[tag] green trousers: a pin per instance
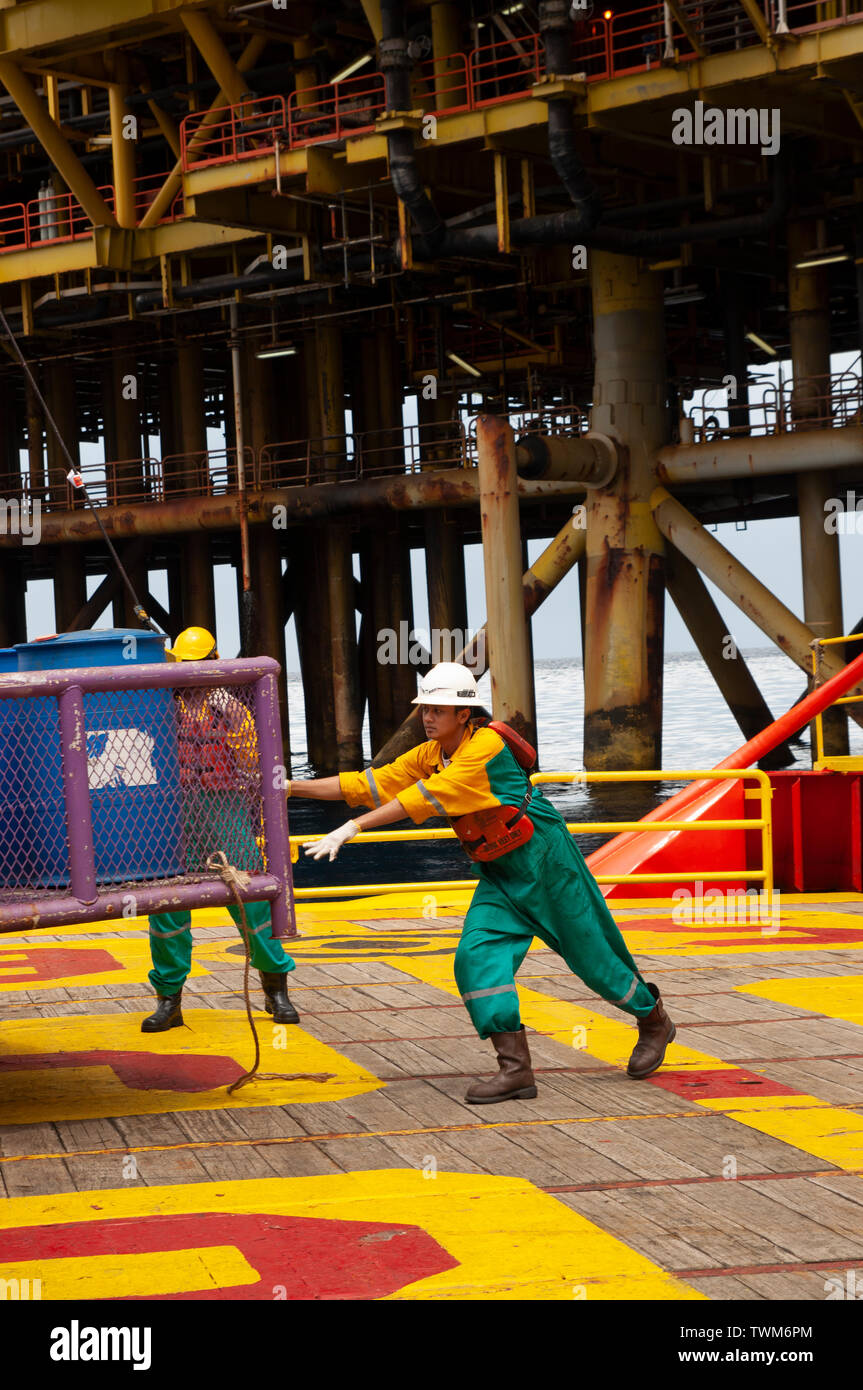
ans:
(542, 889)
(171, 946)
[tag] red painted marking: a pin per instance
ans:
(717, 1085)
(139, 1071)
(789, 932)
(54, 964)
(310, 1257)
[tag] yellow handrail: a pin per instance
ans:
(820, 762)
(764, 823)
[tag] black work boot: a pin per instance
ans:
(655, 1032)
(276, 1000)
(167, 1014)
(515, 1079)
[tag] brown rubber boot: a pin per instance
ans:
(515, 1080)
(655, 1032)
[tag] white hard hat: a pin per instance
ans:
(448, 683)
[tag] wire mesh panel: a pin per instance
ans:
(132, 779)
(220, 778)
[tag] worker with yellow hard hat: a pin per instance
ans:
(533, 881)
(218, 759)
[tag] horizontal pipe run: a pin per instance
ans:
(455, 487)
(745, 457)
(149, 898)
(147, 676)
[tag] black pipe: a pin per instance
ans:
(396, 66)
(627, 240)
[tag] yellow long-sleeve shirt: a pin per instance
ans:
(425, 787)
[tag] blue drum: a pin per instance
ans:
(133, 768)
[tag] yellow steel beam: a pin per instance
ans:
(47, 259)
(167, 126)
(210, 45)
(501, 202)
(55, 144)
(372, 12)
(173, 183)
(51, 23)
(117, 247)
(123, 140)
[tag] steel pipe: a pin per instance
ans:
(760, 457)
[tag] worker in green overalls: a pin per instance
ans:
(218, 751)
(533, 880)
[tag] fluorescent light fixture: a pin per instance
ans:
(460, 362)
(274, 350)
(824, 255)
(352, 67)
(513, 9)
(759, 342)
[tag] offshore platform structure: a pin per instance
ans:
(235, 239)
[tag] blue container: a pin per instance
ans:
(132, 764)
(10, 793)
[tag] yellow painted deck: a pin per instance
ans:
(734, 1173)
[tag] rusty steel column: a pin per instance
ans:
(267, 582)
(70, 585)
(447, 594)
(563, 552)
(312, 617)
(196, 563)
(59, 392)
(509, 651)
(625, 599)
(13, 590)
(809, 313)
(339, 591)
(709, 632)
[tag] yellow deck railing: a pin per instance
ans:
(840, 762)
(761, 792)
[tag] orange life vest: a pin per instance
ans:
(489, 834)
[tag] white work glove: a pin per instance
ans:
(332, 843)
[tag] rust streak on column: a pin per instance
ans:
(809, 308)
(625, 597)
(509, 651)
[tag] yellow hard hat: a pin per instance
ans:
(193, 644)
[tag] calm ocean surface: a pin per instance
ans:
(698, 731)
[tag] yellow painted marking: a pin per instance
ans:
(827, 1132)
(837, 996)
(604, 1038)
(511, 1240)
(72, 1093)
(132, 953)
(137, 1275)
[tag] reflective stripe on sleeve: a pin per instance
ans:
(430, 798)
(373, 787)
(484, 993)
(629, 993)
